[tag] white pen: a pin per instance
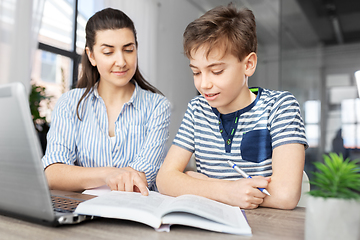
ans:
(239, 170)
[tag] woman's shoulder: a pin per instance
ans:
(149, 98)
(70, 98)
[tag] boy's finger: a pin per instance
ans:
(260, 182)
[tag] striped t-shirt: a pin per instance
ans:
(141, 132)
(272, 120)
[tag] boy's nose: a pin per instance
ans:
(205, 82)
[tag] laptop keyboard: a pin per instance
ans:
(64, 205)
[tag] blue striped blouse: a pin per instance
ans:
(141, 132)
(272, 120)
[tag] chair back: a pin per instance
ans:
(305, 187)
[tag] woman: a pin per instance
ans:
(112, 129)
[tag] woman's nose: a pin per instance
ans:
(120, 61)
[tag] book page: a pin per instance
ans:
(126, 205)
(158, 210)
(97, 191)
(192, 220)
(207, 208)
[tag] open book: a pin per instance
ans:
(161, 211)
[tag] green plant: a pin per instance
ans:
(36, 98)
(336, 178)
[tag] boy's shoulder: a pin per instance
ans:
(199, 100)
(199, 103)
(276, 95)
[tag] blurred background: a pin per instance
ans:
(308, 47)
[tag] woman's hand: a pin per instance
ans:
(126, 179)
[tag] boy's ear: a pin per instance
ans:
(90, 56)
(250, 64)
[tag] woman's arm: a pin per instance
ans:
(75, 178)
(285, 186)
(153, 150)
(172, 181)
(61, 156)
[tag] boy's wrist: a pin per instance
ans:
(218, 190)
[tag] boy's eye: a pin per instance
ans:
(218, 72)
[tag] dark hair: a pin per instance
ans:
(105, 19)
(223, 27)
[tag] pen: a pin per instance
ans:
(233, 165)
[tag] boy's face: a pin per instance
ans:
(222, 80)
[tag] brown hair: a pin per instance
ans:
(105, 19)
(223, 27)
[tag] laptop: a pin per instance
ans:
(24, 192)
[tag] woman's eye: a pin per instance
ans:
(107, 53)
(129, 49)
(196, 73)
(218, 72)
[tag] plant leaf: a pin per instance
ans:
(336, 178)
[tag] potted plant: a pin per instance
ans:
(38, 98)
(333, 207)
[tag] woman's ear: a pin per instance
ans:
(90, 56)
(250, 64)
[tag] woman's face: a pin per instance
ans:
(115, 56)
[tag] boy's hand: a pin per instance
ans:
(244, 192)
(127, 179)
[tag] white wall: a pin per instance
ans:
(174, 77)
(267, 70)
(305, 74)
(343, 60)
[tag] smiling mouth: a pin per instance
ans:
(120, 72)
(211, 95)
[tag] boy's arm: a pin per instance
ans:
(285, 186)
(172, 181)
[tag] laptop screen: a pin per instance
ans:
(23, 187)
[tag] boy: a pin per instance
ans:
(260, 130)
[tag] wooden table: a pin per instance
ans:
(266, 224)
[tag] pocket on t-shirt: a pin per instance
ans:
(256, 145)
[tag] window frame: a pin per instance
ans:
(73, 55)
